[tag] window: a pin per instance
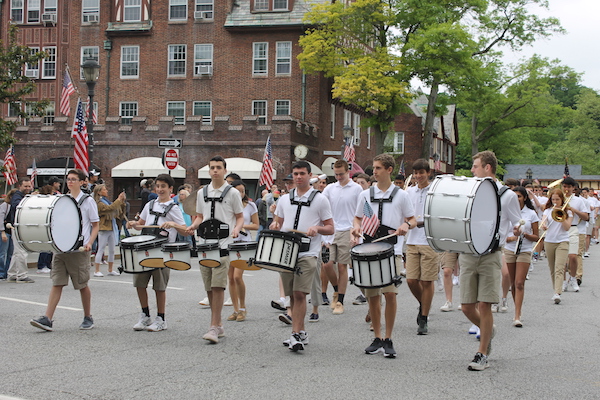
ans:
(356, 129)
(177, 10)
(130, 61)
(90, 11)
(48, 118)
(49, 63)
(127, 110)
(14, 109)
(132, 11)
(33, 11)
(177, 109)
(260, 58)
(449, 154)
(88, 53)
(280, 5)
(33, 70)
(282, 107)
(368, 137)
(271, 5)
(399, 142)
(284, 58)
(50, 6)
(16, 11)
(177, 59)
(204, 108)
(261, 5)
(259, 107)
(203, 59)
(347, 119)
(205, 8)
(332, 122)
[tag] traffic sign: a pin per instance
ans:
(171, 158)
(170, 143)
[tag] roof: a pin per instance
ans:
(149, 166)
(546, 172)
(242, 17)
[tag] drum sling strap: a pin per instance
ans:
(496, 245)
(79, 204)
(300, 204)
(383, 230)
(158, 232)
(214, 228)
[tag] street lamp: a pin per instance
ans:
(347, 132)
(529, 173)
(91, 70)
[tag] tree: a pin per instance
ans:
(14, 85)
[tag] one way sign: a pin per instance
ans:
(170, 143)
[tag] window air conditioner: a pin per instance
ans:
(49, 18)
(203, 70)
(198, 14)
(31, 73)
(94, 18)
(357, 141)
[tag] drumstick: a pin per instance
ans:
(148, 226)
(384, 237)
(297, 231)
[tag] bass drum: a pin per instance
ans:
(462, 215)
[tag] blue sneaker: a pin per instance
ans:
(313, 318)
(286, 319)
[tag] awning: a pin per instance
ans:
(314, 169)
(327, 167)
(149, 167)
(246, 168)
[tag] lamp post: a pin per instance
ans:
(91, 70)
(347, 132)
(529, 173)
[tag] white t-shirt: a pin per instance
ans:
(417, 197)
(224, 211)
(393, 214)
(343, 203)
(249, 211)
(313, 215)
(173, 215)
(529, 216)
(89, 214)
(580, 204)
(555, 232)
(510, 213)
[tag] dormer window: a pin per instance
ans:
(271, 5)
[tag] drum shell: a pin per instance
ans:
(277, 251)
(241, 253)
(177, 256)
(209, 254)
(373, 265)
(150, 253)
(130, 257)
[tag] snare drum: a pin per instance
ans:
(150, 254)
(130, 257)
(462, 215)
(177, 256)
(240, 254)
(45, 223)
(277, 251)
(374, 265)
(209, 254)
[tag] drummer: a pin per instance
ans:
(396, 211)
(168, 216)
(301, 210)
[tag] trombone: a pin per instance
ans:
(559, 214)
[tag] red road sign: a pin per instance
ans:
(171, 158)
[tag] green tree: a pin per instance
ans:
(14, 85)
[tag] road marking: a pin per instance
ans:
(129, 283)
(39, 304)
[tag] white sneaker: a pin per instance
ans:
(494, 307)
(455, 280)
(574, 285)
(98, 274)
(45, 270)
(556, 298)
(159, 324)
(204, 302)
(565, 286)
(586, 254)
(503, 305)
(143, 323)
(447, 306)
(114, 273)
(228, 302)
(531, 267)
(473, 329)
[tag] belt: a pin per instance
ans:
(573, 225)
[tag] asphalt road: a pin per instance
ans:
(555, 355)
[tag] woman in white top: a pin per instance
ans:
(556, 240)
(517, 251)
(237, 288)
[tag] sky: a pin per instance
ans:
(577, 48)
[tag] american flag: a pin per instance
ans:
(67, 91)
(402, 169)
(266, 172)
(87, 112)
(10, 166)
(34, 171)
(349, 153)
(566, 168)
(80, 134)
(370, 221)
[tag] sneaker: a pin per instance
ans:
(334, 300)
(447, 306)
(233, 317)
(455, 280)
(88, 323)
(503, 305)
(325, 301)
(286, 319)
(159, 324)
(143, 323)
(579, 281)
(296, 342)
(574, 284)
(459, 308)
(114, 273)
(473, 329)
(388, 349)
(228, 302)
(527, 276)
(278, 305)
(371, 327)
(339, 308)
(212, 335)
(98, 274)
(42, 322)
(313, 318)
(530, 267)
(375, 347)
(241, 316)
(220, 331)
(44, 270)
(495, 308)
(422, 329)
(586, 254)
(303, 339)
(403, 273)
(204, 302)
(479, 363)
(360, 299)
(489, 347)
(556, 298)
(25, 280)
(12, 279)
(478, 334)
(517, 323)
(565, 286)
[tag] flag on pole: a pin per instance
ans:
(349, 153)
(566, 168)
(402, 169)
(266, 172)
(80, 134)
(67, 91)
(370, 221)
(34, 171)
(94, 113)
(10, 166)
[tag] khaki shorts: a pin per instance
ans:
(480, 278)
(448, 260)
(75, 265)
(372, 292)
(293, 282)
(510, 257)
(597, 223)
(573, 240)
(339, 250)
(215, 277)
(160, 279)
(421, 263)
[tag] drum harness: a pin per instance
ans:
(158, 232)
(501, 191)
(213, 201)
(381, 201)
(299, 205)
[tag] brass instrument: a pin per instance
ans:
(407, 182)
(559, 214)
(555, 183)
